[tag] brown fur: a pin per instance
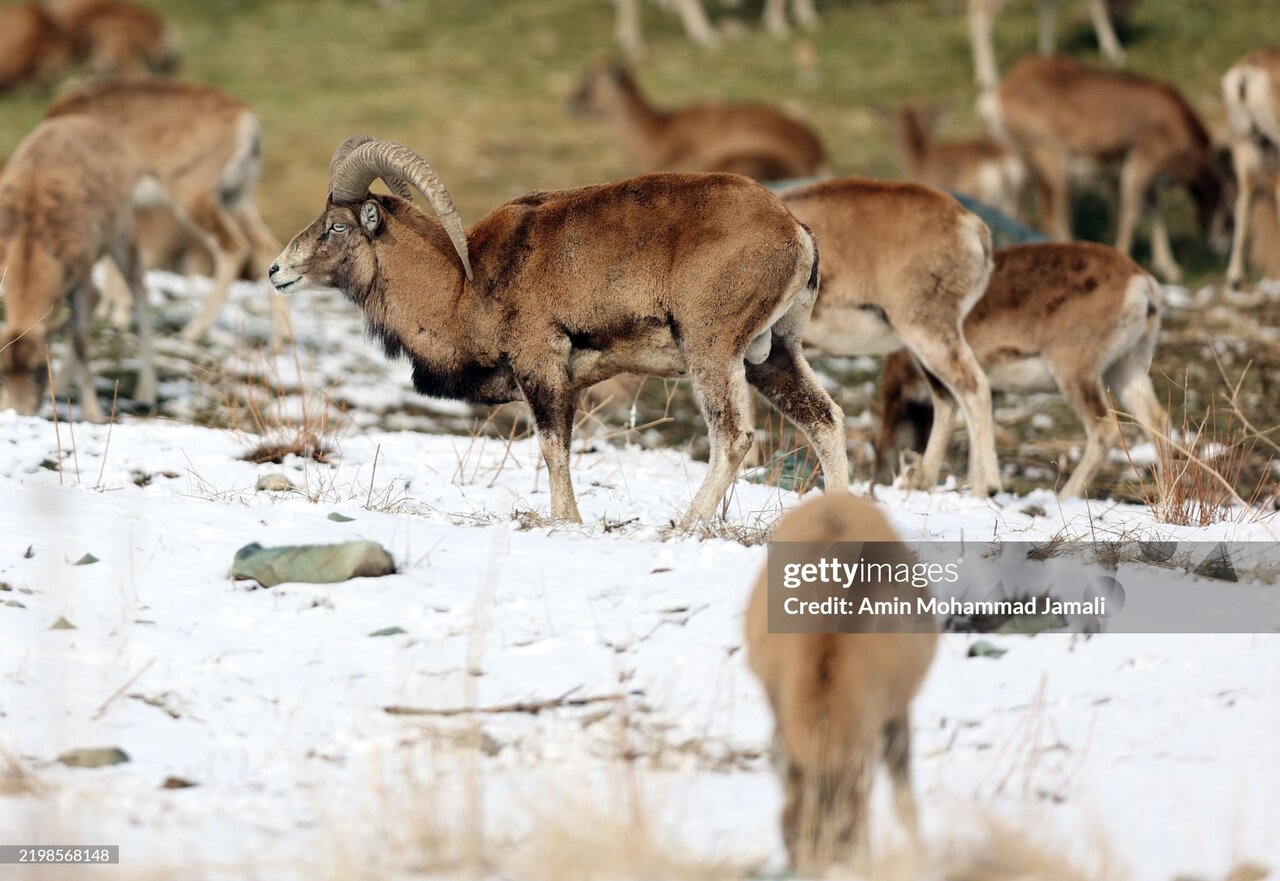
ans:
(1055, 111)
(665, 275)
(1089, 312)
(841, 701)
(116, 37)
(205, 148)
(977, 167)
(748, 139)
(902, 266)
(1251, 92)
(65, 203)
(33, 46)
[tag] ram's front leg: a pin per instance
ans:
(551, 401)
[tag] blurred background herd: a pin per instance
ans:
(483, 88)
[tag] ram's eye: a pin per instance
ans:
(339, 227)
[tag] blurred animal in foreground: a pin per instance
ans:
(707, 276)
(1056, 112)
(33, 46)
(902, 265)
(693, 15)
(1251, 90)
(977, 167)
(841, 701)
(205, 148)
(749, 139)
(982, 20)
(66, 199)
(1076, 317)
(118, 38)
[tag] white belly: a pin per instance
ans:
(852, 332)
(1024, 375)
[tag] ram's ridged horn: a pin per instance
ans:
(397, 185)
(350, 178)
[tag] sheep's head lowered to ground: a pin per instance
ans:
(24, 378)
(340, 248)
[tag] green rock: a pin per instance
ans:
(86, 560)
(389, 631)
(12, 603)
(340, 518)
(94, 757)
(312, 564)
(984, 649)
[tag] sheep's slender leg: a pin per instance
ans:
(552, 403)
(1129, 380)
(1108, 42)
(775, 18)
(897, 756)
(1048, 26)
(1162, 259)
(696, 23)
(1135, 184)
(805, 13)
(1246, 156)
(925, 475)
(1101, 432)
(943, 352)
(627, 28)
(81, 315)
(787, 382)
(981, 24)
(1048, 167)
(721, 393)
(128, 263)
(222, 237)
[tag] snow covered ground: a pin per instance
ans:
(273, 701)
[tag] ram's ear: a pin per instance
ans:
(371, 216)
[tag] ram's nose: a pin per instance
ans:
(271, 273)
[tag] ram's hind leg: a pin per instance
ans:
(722, 396)
(787, 382)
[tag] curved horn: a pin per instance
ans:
(397, 185)
(349, 182)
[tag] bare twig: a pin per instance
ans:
(121, 690)
(532, 708)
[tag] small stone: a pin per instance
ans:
(340, 518)
(62, 624)
(12, 603)
(274, 483)
(177, 783)
(86, 560)
(389, 631)
(94, 757)
(984, 649)
(1034, 510)
(312, 564)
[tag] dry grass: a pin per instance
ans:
(1206, 474)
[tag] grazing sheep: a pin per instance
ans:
(841, 701)
(66, 198)
(705, 276)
